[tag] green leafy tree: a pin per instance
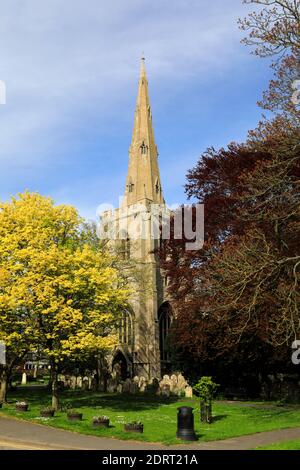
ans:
(59, 291)
(206, 390)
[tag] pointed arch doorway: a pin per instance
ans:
(120, 367)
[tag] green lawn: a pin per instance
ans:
(157, 414)
(289, 445)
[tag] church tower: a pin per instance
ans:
(145, 324)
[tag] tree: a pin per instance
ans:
(66, 285)
(274, 31)
(243, 284)
(206, 389)
(237, 298)
(258, 272)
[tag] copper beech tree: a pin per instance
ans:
(238, 297)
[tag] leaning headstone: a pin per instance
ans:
(175, 388)
(181, 382)
(166, 382)
(69, 381)
(143, 384)
(174, 381)
(85, 383)
(73, 382)
(189, 392)
(24, 379)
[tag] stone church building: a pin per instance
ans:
(143, 349)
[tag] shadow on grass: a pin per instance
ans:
(219, 418)
(78, 399)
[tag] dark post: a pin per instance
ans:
(185, 424)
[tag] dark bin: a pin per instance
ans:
(185, 424)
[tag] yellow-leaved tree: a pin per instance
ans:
(59, 290)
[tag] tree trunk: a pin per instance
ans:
(206, 411)
(209, 412)
(202, 411)
(55, 389)
(102, 374)
(98, 373)
(3, 384)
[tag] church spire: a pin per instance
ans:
(143, 179)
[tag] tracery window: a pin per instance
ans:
(144, 148)
(126, 328)
(165, 319)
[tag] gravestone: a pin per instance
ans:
(189, 392)
(73, 382)
(181, 382)
(24, 379)
(143, 384)
(126, 386)
(85, 383)
(165, 391)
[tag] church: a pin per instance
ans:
(143, 334)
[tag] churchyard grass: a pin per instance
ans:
(159, 415)
(288, 445)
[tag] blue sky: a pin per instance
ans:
(71, 69)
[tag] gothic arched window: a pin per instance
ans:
(126, 328)
(130, 187)
(144, 148)
(123, 244)
(165, 319)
